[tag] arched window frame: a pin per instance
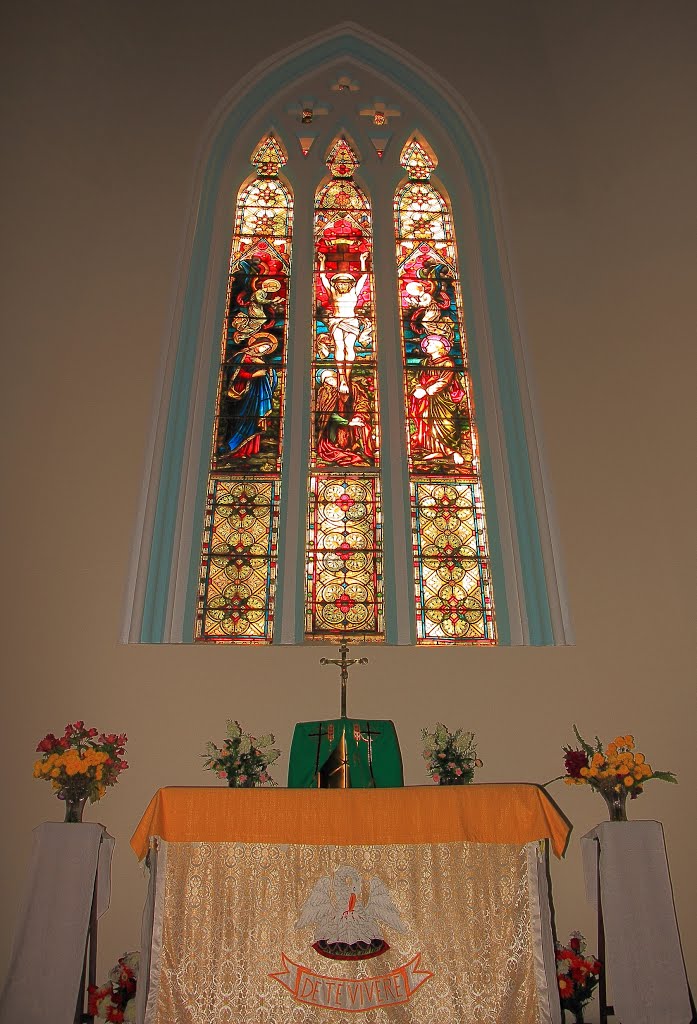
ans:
(531, 607)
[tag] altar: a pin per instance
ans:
(425, 904)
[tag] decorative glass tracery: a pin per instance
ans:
(237, 584)
(344, 552)
(452, 579)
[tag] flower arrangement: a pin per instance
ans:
(451, 757)
(612, 768)
(116, 1000)
(81, 763)
(577, 976)
(615, 772)
(242, 759)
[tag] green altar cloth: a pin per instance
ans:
(372, 754)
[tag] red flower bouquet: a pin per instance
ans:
(577, 976)
(116, 1001)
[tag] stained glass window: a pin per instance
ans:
(344, 585)
(452, 580)
(237, 583)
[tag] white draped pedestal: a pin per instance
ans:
(627, 879)
(68, 888)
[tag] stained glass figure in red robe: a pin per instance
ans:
(437, 406)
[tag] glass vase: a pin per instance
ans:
(616, 800)
(234, 783)
(74, 809)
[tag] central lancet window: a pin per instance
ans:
(344, 592)
(344, 587)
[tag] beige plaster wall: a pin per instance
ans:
(587, 111)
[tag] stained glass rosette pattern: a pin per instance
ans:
(344, 559)
(344, 575)
(454, 601)
(240, 559)
(238, 565)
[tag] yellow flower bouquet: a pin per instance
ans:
(80, 765)
(615, 772)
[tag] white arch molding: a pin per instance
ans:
(528, 589)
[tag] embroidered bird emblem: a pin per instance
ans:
(345, 927)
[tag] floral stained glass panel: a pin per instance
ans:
(344, 564)
(236, 595)
(344, 560)
(240, 553)
(451, 577)
(453, 591)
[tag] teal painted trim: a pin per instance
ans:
(501, 611)
(202, 478)
(530, 547)
(159, 569)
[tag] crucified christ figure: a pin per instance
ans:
(344, 326)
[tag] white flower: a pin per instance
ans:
(464, 742)
(132, 961)
(441, 735)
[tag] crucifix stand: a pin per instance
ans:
(344, 664)
(335, 773)
(344, 753)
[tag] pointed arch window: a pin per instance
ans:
(237, 583)
(247, 426)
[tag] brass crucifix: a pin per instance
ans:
(343, 664)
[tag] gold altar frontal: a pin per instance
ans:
(316, 907)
